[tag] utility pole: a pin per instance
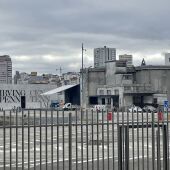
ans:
(60, 70)
(82, 50)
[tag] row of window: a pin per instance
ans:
(109, 92)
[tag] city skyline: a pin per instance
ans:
(43, 36)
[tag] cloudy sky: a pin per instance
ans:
(44, 35)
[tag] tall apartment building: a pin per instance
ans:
(5, 70)
(127, 58)
(102, 55)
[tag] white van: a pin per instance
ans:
(99, 108)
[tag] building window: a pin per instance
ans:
(108, 92)
(116, 92)
(101, 92)
(93, 100)
(155, 101)
(103, 100)
(109, 101)
(127, 77)
(126, 88)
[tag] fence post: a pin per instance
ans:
(70, 141)
(120, 148)
(158, 149)
(165, 147)
(126, 148)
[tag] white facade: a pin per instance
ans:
(10, 95)
(167, 58)
(127, 58)
(101, 55)
(5, 70)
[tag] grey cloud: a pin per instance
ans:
(57, 28)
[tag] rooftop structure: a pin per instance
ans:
(127, 58)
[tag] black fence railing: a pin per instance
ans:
(80, 140)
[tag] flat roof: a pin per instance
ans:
(59, 89)
(153, 67)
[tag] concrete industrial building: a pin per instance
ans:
(121, 86)
(5, 70)
(127, 58)
(101, 55)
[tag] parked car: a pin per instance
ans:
(54, 104)
(135, 109)
(149, 109)
(69, 106)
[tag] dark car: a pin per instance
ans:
(54, 104)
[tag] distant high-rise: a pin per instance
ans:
(5, 70)
(101, 55)
(167, 58)
(127, 58)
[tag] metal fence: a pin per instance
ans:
(80, 140)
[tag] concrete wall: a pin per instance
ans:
(95, 79)
(10, 95)
(157, 78)
(110, 73)
(168, 86)
(128, 101)
(148, 99)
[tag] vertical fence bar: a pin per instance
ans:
(10, 140)
(97, 142)
(16, 139)
(120, 163)
(127, 144)
(103, 138)
(46, 142)
(63, 141)
(70, 141)
(76, 143)
(126, 148)
(82, 139)
(119, 146)
(34, 140)
(87, 140)
(52, 146)
(158, 146)
(23, 140)
(165, 146)
(28, 139)
(142, 143)
(4, 139)
(113, 140)
(123, 142)
(57, 140)
(138, 139)
(40, 139)
(147, 134)
(133, 146)
(153, 141)
(167, 134)
(92, 141)
(108, 152)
